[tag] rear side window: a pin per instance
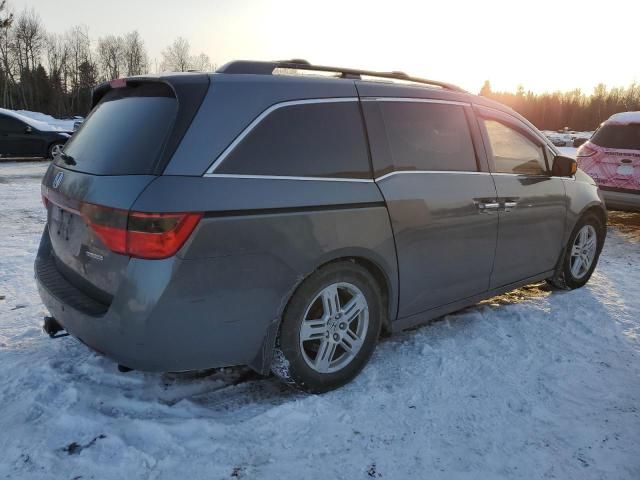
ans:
(125, 132)
(428, 136)
(512, 152)
(618, 136)
(307, 140)
(11, 125)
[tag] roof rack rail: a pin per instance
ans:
(267, 68)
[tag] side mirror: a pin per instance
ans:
(564, 166)
(28, 129)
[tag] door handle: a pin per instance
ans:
(488, 206)
(509, 205)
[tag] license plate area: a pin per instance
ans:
(64, 230)
(625, 170)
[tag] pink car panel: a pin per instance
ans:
(612, 167)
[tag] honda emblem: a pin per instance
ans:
(57, 180)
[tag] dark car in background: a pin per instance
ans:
(22, 136)
(282, 221)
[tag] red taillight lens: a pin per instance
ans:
(139, 234)
(159, 235)
(585, 151)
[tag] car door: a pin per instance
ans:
(532, 203)
(436, 189)
(5, 145)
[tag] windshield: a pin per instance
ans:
(618, 136)
(125, 132)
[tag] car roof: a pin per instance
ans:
(37, 124)
(623, 118)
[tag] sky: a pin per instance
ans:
(545, 45)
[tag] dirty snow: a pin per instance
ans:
(532, 384)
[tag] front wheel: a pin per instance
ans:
(582, 253)
(329, 329)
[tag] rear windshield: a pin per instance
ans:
(618, 136)
(125, 132)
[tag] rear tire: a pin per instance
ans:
(54, 149)
(581, 254)
(329, 328)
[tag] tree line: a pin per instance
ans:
(573, 109)
(55, 73)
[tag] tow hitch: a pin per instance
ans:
(51, 327)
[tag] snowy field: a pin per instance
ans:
(533, 384)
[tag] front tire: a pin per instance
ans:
(329, 329)
(582, 253)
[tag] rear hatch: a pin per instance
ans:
(612, 156)
(128, 138)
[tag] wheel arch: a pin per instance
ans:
(593, 208)
(385, 277)
(375, 265)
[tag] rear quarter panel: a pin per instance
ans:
(258, 241)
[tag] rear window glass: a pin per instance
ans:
(309, 140)
(428, 136)
(618, 136)
(125, 132)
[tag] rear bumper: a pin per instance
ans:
(622, 200)
(167, 315)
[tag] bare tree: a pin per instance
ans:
(29, 38)
(79, 62)
(7, 59)
(112, 56)
(176, 57)
(201, 63)
(5, 20)
(135, 54)
(57, 53)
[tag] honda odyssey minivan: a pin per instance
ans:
(255, 216)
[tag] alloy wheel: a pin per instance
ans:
(334, 326)
(56, 150)
(583, 251)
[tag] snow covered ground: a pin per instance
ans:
(567, 137)
(532, 384)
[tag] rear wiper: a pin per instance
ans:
(68, 159)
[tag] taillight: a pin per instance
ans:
(140, 234)
(585, 151)
(159, 235)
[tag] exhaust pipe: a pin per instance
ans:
(51, 327)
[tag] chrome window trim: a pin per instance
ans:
(538, 175)
(415, 100)
(377, 179)
(285, 177)
(404, 172)
(262, 116)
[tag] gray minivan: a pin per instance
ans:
(258, 216)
